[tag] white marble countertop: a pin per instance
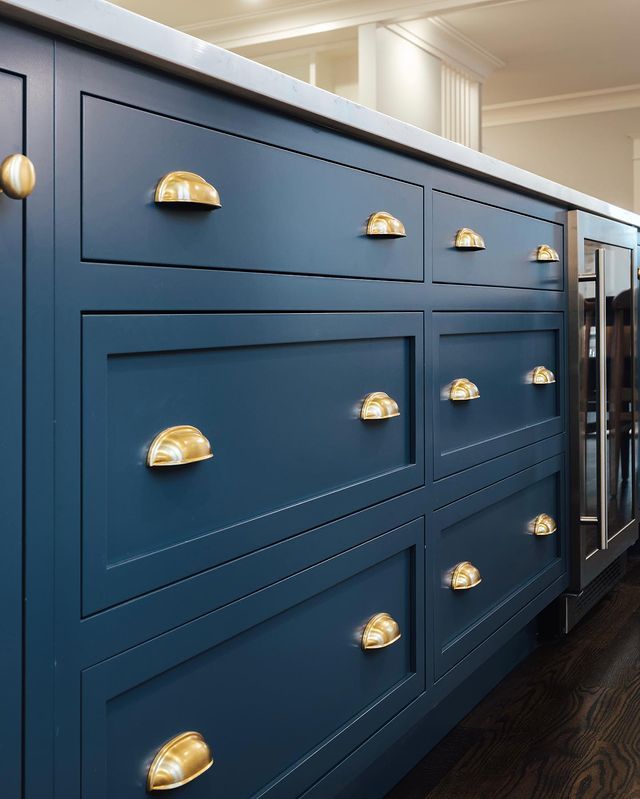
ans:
(116, 30)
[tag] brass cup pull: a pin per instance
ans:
(467, 239)
(378, 406)
(385, 225)
(462, 390)
(177, 446)
(464, 576)
(17, 176)
(187, 187)
(546, 253)
(541, 376)
(381, 631)
(179, 761)
(544, 525)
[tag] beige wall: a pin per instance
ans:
(592, 153)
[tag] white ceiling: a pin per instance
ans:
(556, 46)
(550, 47)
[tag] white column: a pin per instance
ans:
(398, 77)
(367, 66)
(460, 107)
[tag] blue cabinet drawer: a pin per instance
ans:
(492, 358)
(278, 396)
(281, 211)
(502, 533)
(511, 253)
(278, 683)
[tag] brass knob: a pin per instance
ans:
(385, 225)
(179, 761)
(465, 575)
(381, 631)
(462, 389)
(187, 187)
(177, 446)
(541, 376)
(17, 176)
(467, 239)
(546, 253)
(544, 525)
(378, 406)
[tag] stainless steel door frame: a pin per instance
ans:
(586, 227)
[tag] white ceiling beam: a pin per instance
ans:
(321, 16)
(442, 40)
(558, 106)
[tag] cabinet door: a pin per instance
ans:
(25, 69)
(604, 390)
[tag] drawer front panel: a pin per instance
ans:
(511, 241)
(281, 211)
(493, 530)
(278, 396)
(272, 681)
(497, 353)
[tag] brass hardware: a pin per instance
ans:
(541, 376)
(467, 239)
(377, 406)
(187, 187)
(177, 446)
(17, 176)
(544, 525)
(382, 630)
(179, 761)
(462, 389)
(546, 253)
(383, 224)
(465, 575)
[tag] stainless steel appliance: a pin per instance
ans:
(603, 282)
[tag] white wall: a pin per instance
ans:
(592, 153)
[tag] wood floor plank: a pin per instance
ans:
(565, 724)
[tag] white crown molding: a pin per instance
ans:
(442, 40)
(597, 101)
(320, 16)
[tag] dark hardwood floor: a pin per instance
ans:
(565, 724)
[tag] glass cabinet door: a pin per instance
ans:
(604, 394)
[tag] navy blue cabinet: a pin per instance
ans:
(267, 680)
(229, 595)
(280, 397)
(25, 268)
(486, 396)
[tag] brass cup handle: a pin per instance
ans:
(17, 176)
(468, 239)
(544, 524)
(546, 253)
(385, 225)
(462, 389)
(464, 576)
(179, 761)
(541, 376)
(378, 406)
(177, 446)
(187, 187)
(381, 631)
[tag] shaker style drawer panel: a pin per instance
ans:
(495, 551)
(284, 421)
(498, 385)
(278, 685)
(480, 245)
(280, 211)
